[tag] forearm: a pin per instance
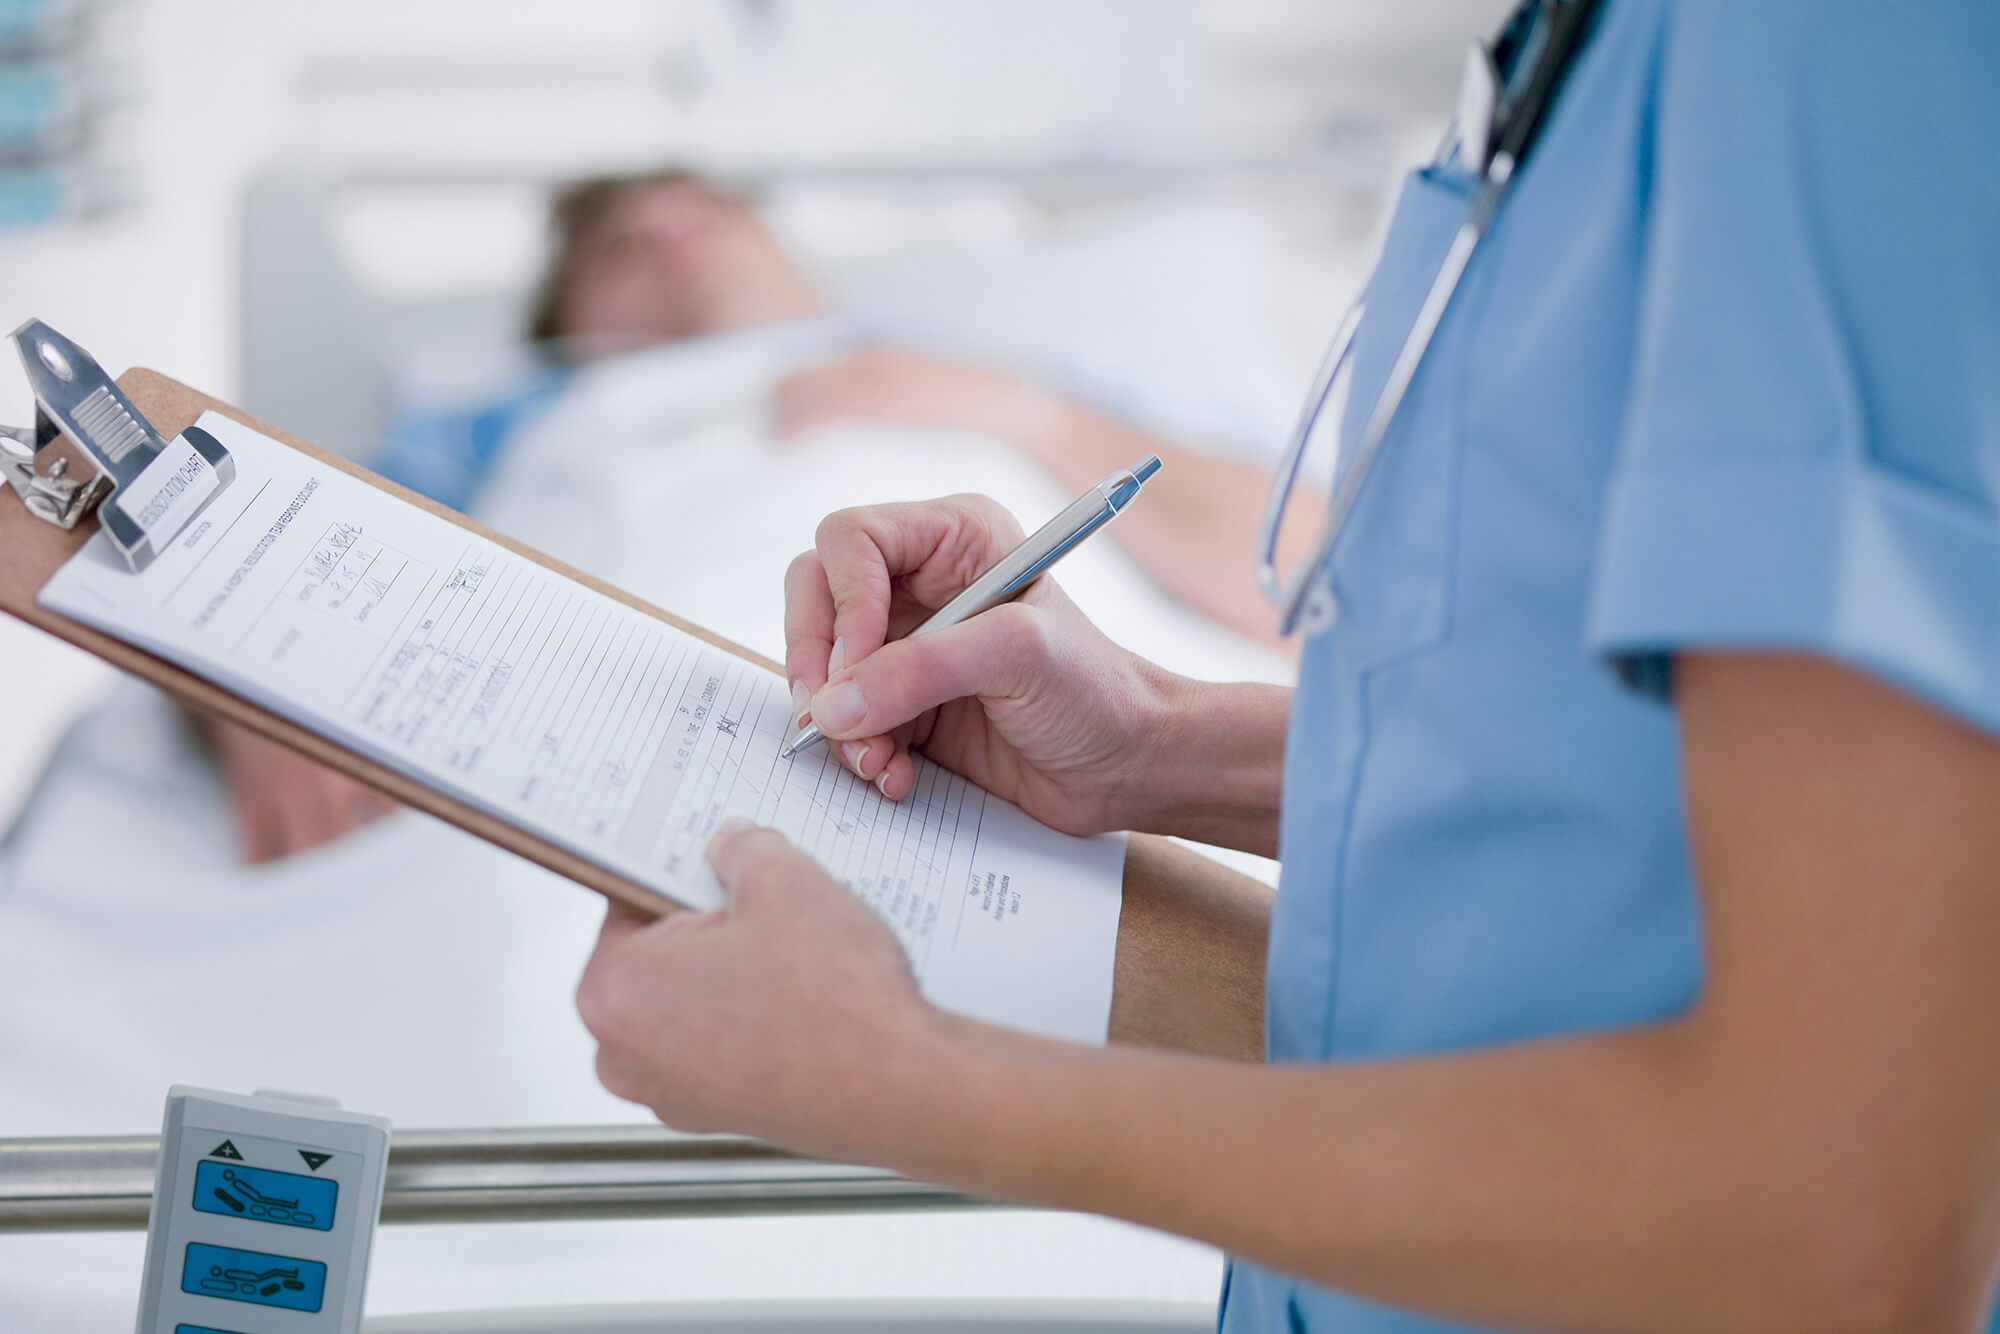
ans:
(1592, 1183)
(1425, 1183)
(1212, 763)
(1194, 535)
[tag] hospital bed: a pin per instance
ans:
(457, 1009)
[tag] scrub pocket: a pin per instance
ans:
(1390, 567)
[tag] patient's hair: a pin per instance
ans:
(580, 207)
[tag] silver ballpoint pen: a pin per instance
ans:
(1027, 562)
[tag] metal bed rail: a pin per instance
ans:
(1349, 155)
(105, 1183)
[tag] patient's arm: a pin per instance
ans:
(1194, 536)
(283, 802)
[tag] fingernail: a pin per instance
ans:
(857, 755)
(801, 704)
(836, 661)
(882, 783)
(839, 707)
(729, 825)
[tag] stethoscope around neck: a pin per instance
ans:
(1535, 48)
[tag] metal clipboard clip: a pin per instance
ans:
(91, 450)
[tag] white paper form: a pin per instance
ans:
(594, 726)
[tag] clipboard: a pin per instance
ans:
(1189, 966)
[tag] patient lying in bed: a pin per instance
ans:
(716, 407)
(419, 973)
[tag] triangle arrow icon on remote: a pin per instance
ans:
(225, 1150)
(313, 1160)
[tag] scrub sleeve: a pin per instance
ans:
(1811, 456)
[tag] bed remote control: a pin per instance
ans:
(263, 1211)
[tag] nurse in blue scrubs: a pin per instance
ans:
(1633, 964)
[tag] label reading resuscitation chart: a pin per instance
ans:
(603, 730)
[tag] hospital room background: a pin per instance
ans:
(334, 215)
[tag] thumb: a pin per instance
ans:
(997, 653)
(752, 861)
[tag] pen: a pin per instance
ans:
(1028, 562)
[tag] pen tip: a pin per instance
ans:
(785, 751)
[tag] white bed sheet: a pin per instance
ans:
(684, 496)
(416, 972)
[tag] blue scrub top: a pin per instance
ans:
(1725, 374)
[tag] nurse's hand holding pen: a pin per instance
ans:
(1028, 699)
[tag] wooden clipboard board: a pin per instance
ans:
(1187, 921)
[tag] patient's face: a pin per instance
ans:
(672, 260)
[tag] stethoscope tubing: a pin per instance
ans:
(1308, 601)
